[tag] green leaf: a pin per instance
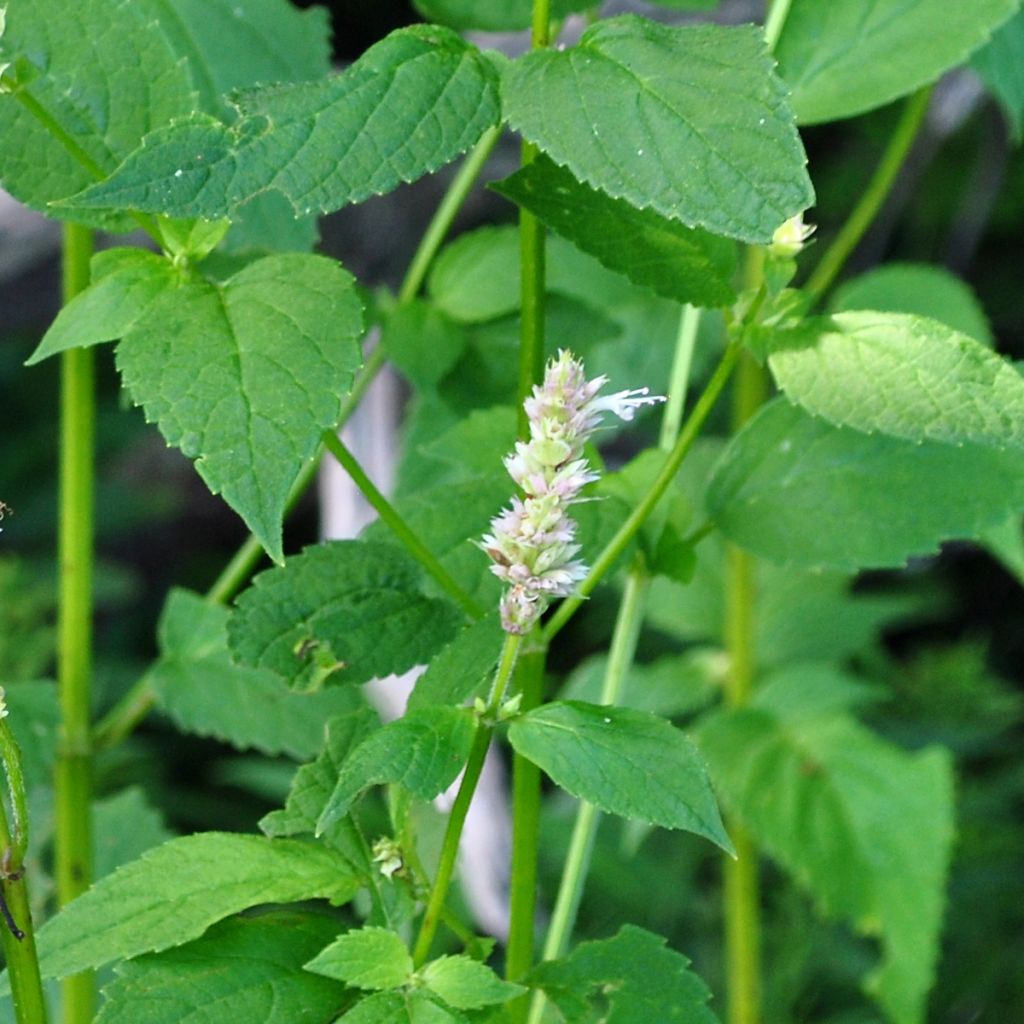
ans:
(466, 983)
(34, 718)
(243, 969)
(422, 342)
(797, 490)
(197, 684)
(125, 284)
(864, 826)
(920, 288)
(125, 826)
(626, 762)
(409, 105)
(468, 280)
(699, 130)
(460, 669)
(491, 15)
(672, 260)
(244, 377)
(92, 79)
(1005, 540)
(1001, 66)
(631, 978)
(424, 751)
(374, 958)
(410, 1007)
(347, 611)
(904, 375)
(175, 892)
(844, 57)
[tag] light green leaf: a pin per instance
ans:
(903, 375)
(205, 693)
(424, 751)
(864, 826)
(1001, 66)
(125, 284)
(93, 78)
(845, 57)
(626, 762)
(345, 611)
(677, 262)
(699, 130)
(797, 490)
(244, 377)
(125, 826)
(631, 978)
(466, 983)
(374, 958)
(458, 671)
(243, 969)
(468, 281)
(919, 288)
(175, 892)
(410, 1007)
(409, 105)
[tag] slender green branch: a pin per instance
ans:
(777, 14)
(614, 548)
(457, 817)
(871, 198)
(679, 381)
(399, 527)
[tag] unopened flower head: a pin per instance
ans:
(532, 543)
(790, 237)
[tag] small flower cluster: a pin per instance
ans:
(532, 543)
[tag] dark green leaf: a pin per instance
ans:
(625, 762)
(689, 122)
(410, 1007)
(457, 672)
(422, 342)
(1001, 66)
(125, 826)
(34, 719)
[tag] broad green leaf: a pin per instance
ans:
(424, 751)
(626, 762)
(205, 693)
(491, 15)
(469, 281)
(244, 377)
(675, 261)
(92, 79)
(902, 375)
(1001, 66)
(917, 288)
(461, 668)
(409, 105)
(845, 57)
(345, 611)
(690, 122)
(175, 892)
(408, 1007)
(243, 969)
(374, 958)
(422, 342)
(125, 826)
(797, 490)
(34, 719)
(631, 978)
(864, 826)
(125, 284)
(466, 983)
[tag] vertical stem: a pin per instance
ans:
(73, 781)
(686, 340)
(778, 11)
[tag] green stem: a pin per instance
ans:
(871, 199)
(399, 527)
(777, 14)
(614, 548)
(686, 340)
(457, 817)
(73, 775)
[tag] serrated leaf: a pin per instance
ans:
(845, 57)
(373, 958)
(244, 377)
(864, 826)
(797, 490)
(460, 669)
(631, 978)
(626, 762)
(1001, 66)
(466, 983)
(243, 969)
(175, 892)
(409, 105)
(903, 375)
(351, 609)
(491, 15)
(410, 1007)
(205, 693)
(424, 751)
(698, 129)
(98, 75)
(919, 288)
(125, 284)
(680, 263)
(125, 826)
